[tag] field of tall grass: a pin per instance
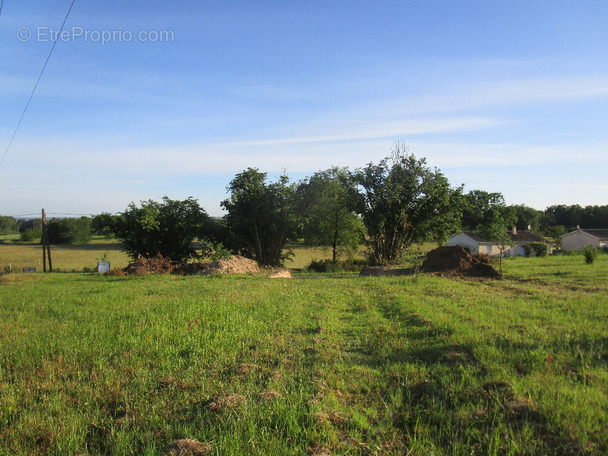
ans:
(93, 365)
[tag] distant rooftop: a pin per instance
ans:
(521, 237)
(601, 234)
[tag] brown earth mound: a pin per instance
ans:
(191, 268)
(234, 265)
(281, 274)
(457, 262)
(156, 265)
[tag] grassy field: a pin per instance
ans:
(17, 255)
(360, 366)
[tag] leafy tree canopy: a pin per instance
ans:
(8, 225)
(167, 228)
(526, 216)
(261, 216)
(480, 208)
(69, 230)
(496, 228)
(102, 224)
(328, 202)
(405, 202)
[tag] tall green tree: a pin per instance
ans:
(405, 202)
(8, 225)
(479, 208)
(70, 230)
(328, 203)
(261, 216)
(526, 216)
(102, 224)
(496, 228)
(167, 228)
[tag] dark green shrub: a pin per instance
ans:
(70, 230)
(31, 235)
(8, 225)
(590, 253)
(538, 249)
(166, 228)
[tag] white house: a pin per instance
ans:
(580, 238)
(475, 244)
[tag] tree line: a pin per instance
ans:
(390, 206)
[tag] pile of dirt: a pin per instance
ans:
(190, 268)
(234, 265)
(280, 274)
(156, 265)
(457, 262)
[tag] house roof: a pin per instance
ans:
(522, 237)
(602, 235)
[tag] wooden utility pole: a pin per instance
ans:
(46, 246)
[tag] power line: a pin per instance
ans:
(37, 213)
(37, 81)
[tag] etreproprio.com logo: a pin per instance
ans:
(46, 34)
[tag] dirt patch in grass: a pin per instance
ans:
(281, 274)
(268, 396)
(187, 447)
(383, 271)
(457, 262)
(225, 402)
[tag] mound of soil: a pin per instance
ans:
(190, 268)
(156, 265)
(281, 274)
(457, 262)
(234, 265)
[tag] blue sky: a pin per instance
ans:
(507, 97)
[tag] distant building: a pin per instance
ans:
(476, 244)
(580, 239)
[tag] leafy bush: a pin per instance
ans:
(167, 229)
(70, 230)
(31, 235)
(537, 249)
(102, 224)
(220, 252)
(590, 253)
(8, 225)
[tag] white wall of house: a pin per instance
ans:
(516, 250)
(579, 240)
(492, 249)
(466, 242)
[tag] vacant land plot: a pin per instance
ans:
(17, 255)
(392, 365)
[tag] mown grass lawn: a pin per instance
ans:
(395, 365)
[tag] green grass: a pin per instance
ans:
(16, 255)
(392, 365)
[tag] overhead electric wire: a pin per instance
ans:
(37, 81)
